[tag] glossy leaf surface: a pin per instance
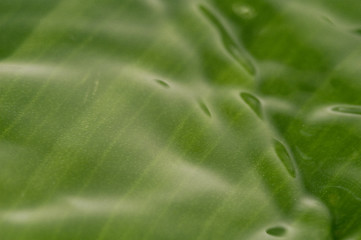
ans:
(156, 119)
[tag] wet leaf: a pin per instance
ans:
(194, 119)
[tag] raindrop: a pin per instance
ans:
(253, 102)
(240, 57)
(204, 108)
(162, 83)
(285, 157)
(236, 51)
(276, 231)
(347, 109)
(244, 11)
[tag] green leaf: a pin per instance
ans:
(193, 119)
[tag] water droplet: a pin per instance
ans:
(244, 11)
(347, 109)
(285, 157)
(235, 51)
(204, 108)
(253, 102)
(240, 57)
(162, 83)
(276, 231)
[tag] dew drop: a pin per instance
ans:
(244, 11)
(162, 83)
(253, 102)
(240, 57)
(347, 109)
(276, 231)
(285, 157)
(204, 108)
(229, 43)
